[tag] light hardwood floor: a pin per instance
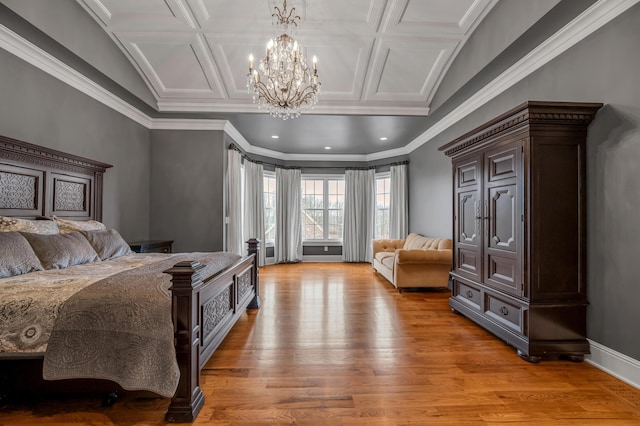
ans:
(337, 344)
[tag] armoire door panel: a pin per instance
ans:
(468, 222)
(503, 273)
(468, 262)
(503, 163)
(504, 218)
(468, 173)
(468, 238)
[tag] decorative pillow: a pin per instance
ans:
(67, 225)
(62, 250)
(16, 255)
(13, 224)
(108, 244)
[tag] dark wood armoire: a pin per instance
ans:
(519, 227)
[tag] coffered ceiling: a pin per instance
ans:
(383, 57)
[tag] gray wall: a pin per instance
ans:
(40, 109)
(602, 68)
(513, 18)
(66, 22)
(187, 187)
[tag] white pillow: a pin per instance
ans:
(66, 225)
(13, 224)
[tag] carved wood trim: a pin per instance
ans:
(13, 149)
(50, 162)
(531, 112)
(216, 310)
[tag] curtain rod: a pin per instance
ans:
(246, 157)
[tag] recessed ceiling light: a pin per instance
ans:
(384, 138)
(275, 137)
(327, 147)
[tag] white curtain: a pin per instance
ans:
(399, 206)
(359, 215)
(234, 212)
(288, 240)
(254, 206)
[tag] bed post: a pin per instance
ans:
(253, 247)
(188, 399)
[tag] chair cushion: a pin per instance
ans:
(386, 258)
(419, 242)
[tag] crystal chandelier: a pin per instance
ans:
(283, 83)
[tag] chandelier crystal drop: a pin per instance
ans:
(283, 83)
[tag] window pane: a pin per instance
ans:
(322, 201)
(383, 203)
(335, 224)
(269, 184)
(312, 224)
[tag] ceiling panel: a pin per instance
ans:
(372, 54)
(342, 65)
(445, 17)
(419, 62)
(177, 65)
(358, 15)
(236, 16)
(142, 14)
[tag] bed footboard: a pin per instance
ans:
(204, 309)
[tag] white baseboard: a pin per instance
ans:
(618, 365)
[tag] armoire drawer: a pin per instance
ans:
(507, 313)
(467, 294)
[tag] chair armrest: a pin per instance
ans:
(387, 245)
(440, 257)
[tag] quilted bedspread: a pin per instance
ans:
(108, 320)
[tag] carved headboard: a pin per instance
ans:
(37, 181)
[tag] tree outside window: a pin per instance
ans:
(322, 208)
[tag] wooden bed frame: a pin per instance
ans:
(40, 182)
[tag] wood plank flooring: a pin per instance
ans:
(336, 344)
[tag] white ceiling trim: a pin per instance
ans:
(100, 10)
(583, 25)
(592, 19)
(187, 124)
(29, 52)
(250, 108)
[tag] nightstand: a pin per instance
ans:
(151, 246)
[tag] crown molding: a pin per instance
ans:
(323, 108)
(187, 124)
(585, 24)
(591, 20)
(29, 52)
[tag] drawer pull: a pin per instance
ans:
(469, 294)
(504, 310)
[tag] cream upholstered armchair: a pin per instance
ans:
(416, 261)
